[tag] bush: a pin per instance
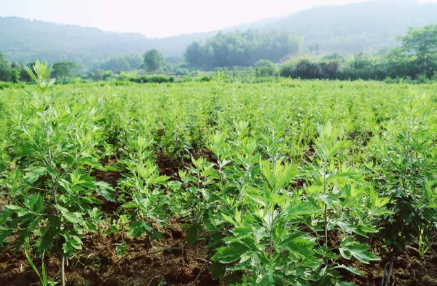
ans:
(5, 85)
(159, 79)
(306, 69)
(288, 69)
(265, 68)
(15, 75)
(187, 79)
(182, 72)
(205, 79)
(108, 75)
(152, 79)
(422, 78)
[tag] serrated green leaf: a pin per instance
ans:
(231, 253)
(105, 190)
(68, 215)
(350, 269)
(138, 228)
(359, 251)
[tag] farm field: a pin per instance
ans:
(279, 183)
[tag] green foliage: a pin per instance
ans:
(5, 70)
(405, 153)
(15, 75)
(306, 69)
(120, 64)
(154, 61)
(347, 29)
(422, 43)
(182, 72)
(53, 152)
(289, 182)
(265, 68)
(415, 59)
(242, 49)
(152, 79)
(43, 276)
(62, 70)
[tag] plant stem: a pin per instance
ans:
(54, 194)
(390, 271)
(51, 164)
(271, 232)
(384, 274)
(326, 205)
(430, 248)
(326, 225)
(63, 270)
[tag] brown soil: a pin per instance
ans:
(98, 263)
(110, 177)
(170, 168)
(180, 264)
(409, 270)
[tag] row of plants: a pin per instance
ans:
(288, 183)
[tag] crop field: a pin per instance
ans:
(285, 182)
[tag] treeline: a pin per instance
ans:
(15, 73)
(416, 58)
(66, 71)
(242, 49)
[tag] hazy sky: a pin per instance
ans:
(158, 18)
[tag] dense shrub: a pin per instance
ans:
(306, 69)
(265, 68)
(182, 72)
(5, 85)
(152, 79)
(355, 69)
(205, 79)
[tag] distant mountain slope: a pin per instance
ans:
(349, 28)
(362, 26)
(24, 40)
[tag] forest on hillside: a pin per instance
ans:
(369, 26)
(261, 53)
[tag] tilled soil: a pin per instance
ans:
(98, 263)
(409, 270)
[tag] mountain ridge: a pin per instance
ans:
(369, 26)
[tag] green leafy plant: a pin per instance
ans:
(43, 276)
(55, 200)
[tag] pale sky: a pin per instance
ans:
(159, 18)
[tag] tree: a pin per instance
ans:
(265, 68)
(242, 49)
(62, 70)
(5, 70)
(24, 75)
(15, 75)
(422, 43)
(193, 54)
(97, 75)
(116, 64)
(154, 61)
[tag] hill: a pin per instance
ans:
(365, 26)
